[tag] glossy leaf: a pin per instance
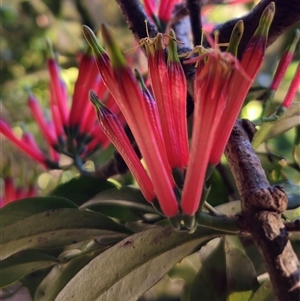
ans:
(135, 264)
(272, 129)
(60, 275)
(23, 208)
(293, 193)
(127, 203)
(221, 277)
(57, 228)
(210, 282)
(264, 293)
(23, 263)
(82, 189)
(230, 208)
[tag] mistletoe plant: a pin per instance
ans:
(93, 238)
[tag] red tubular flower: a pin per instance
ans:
(59, 131)
(133, 107)
(153, 114)
(88, 118)
(178, 92)
(29, 139)
(26, 148)
(102, 60)
(240, 82)
(9, 190)
(150, 7)
(294, 87)
(38, 115)
(211, 86)
(165, 9)
(284, 62)
(114, 130)
(88, 77)
(161, 87)
(58, 86)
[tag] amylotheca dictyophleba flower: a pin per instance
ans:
(174, 171)
(71, 130)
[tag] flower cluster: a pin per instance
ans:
(160, 11)
(73, 132)
(175, 173)
(13, 187)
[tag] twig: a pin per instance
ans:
(287, 14)
(261, 214)
(293, 226)
(194, 9)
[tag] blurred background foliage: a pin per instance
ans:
(24, 28)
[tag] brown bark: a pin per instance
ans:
(262, 206)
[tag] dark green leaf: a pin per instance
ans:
(32, 281)
(82, 188)
(126, 204)
(264, 293)
(210, 282)
(135, 264)
(221, 277)
(23, 208)
(57, 228)
(239, 280)
(21, 264)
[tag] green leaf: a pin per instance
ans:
(60, 275)
(57, 228)
(272, 129)
(292, 214)
(135, 265)
(293, 193)
(221, 277)
(32, 281)
(239, 280)
(230, 208)
(264, 293)
(210, 281)
(21, 264)
(23, 208)
(126, 204)
(240, 296)
(82, 188)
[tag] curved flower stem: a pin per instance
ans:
(223, 223)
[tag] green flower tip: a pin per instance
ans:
(28, 90)
(92, 40)
(159, 43)
(172, 47)
(117, 58)
(292, 46)
(94, 99)
(235, 37)
(265, 20)
(140, 79)
(49, 49)
(99, 106)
